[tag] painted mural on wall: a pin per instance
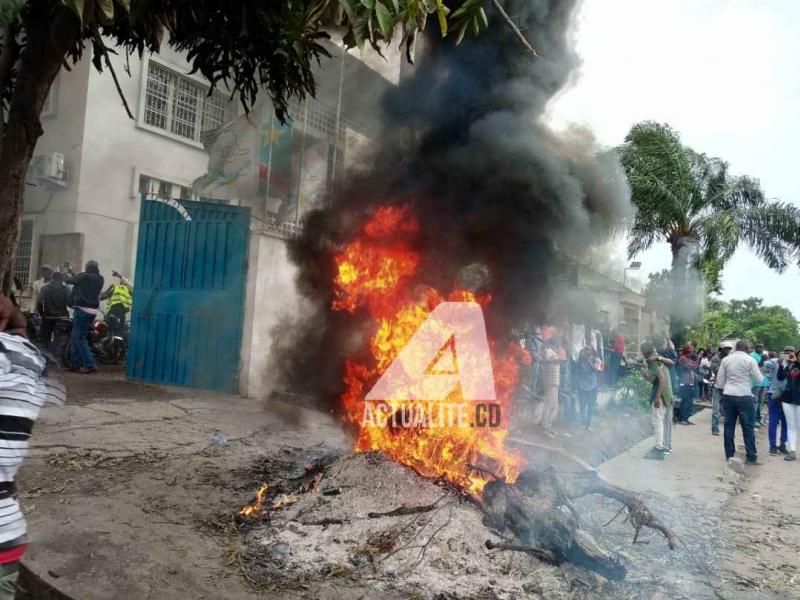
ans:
(231, 160)
(274, 161)
(292, 171)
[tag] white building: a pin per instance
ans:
(90, 210)
(85, 206)
(616, 306)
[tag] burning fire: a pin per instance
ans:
(257, 507)
(375, 272)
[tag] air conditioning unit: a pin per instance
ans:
(48, 168)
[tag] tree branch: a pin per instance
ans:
(638, 512)
(540, 553)
(100, 46)
(513, 26)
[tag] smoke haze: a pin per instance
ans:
(493, 187)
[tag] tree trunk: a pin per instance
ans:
(50, 32)
(680, 275)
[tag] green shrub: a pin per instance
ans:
(633, 391)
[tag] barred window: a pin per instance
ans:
(180, 105)
(159, 188)
(22, 266)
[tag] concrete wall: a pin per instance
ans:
(51, 208)
(105, 154)
(271, 299)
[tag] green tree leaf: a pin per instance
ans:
(440, 11)
(385, 19)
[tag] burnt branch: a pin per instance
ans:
(541, 554)
(638, 512)
(325, 521)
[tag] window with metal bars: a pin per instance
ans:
(22, 266)
(151, 186)
(180, 105)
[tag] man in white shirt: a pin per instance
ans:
(737, 373)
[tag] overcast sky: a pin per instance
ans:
(725, 73)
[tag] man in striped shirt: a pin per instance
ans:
(24, 391)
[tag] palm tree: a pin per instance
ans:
(692, 202)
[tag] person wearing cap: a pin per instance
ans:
(789, 372)
(774, 411)
(661, 399)
(736, 373)
(716, 392)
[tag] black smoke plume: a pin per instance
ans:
(491, 184)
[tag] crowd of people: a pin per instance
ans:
(59, 292)
(564, 374)
(745, 386)
(742, 385)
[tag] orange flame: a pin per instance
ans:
(283, 501)
(375, 272)
(257, 507)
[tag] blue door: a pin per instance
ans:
(186, 321)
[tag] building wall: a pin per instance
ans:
(51, 208)
(272, 299)
(117, 151)
(105, 153)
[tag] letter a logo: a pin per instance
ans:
(449, 348)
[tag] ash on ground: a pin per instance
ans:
(439, 553)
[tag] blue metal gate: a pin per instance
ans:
(186, 321)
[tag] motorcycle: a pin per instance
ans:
(108, 341)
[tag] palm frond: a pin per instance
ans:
(773, 232)
(653, 153)
(641, 238)
(743, 192)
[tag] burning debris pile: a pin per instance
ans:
(380, 525)
(341, 529)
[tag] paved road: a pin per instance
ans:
(757, 515)
(693, 469)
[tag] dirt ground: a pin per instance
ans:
(128, 496)
(762, 529)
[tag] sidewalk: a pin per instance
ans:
(693, 469)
